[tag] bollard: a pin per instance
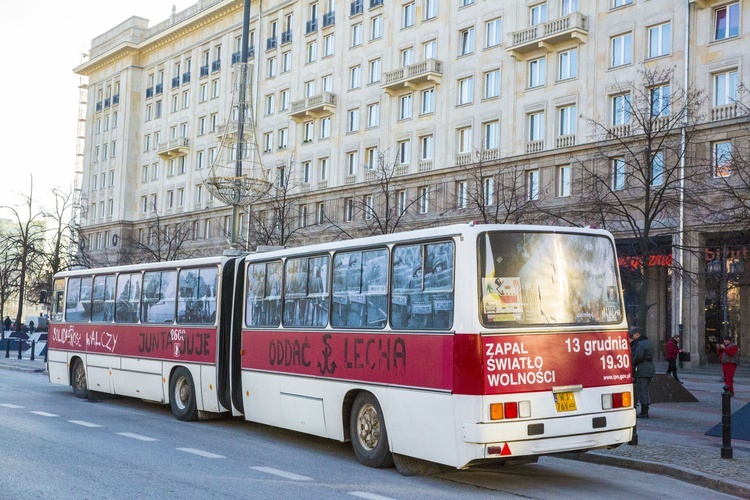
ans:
(7, 348)
(20, 345)
(33, 345)
(726, 424)
(634, 440)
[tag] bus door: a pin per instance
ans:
(238, 283)
(225, 332)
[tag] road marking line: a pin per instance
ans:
(83, 423)
(282, 473)
(368, 496)
(44, 414)
(136, 436)
(201, 453)
(8, 405)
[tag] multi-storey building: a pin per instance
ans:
(444, 97)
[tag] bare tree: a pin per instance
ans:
(162, 241)
(8, 272)
(633, 180)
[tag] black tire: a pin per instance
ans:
(368, 432)
(182, 395)
(78, 379)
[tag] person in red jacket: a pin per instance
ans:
(672, 353)
(729, 355)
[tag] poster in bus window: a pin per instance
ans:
(501, 299)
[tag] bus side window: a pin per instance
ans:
(78, 300)
(159, 297)
(196, 303)
(422, 287)
(359, 289)
(128, 297)
(263, 301)
(102, 308)
(306, 292)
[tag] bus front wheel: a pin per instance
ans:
(78, 380)
(182, 395)
(368, 432)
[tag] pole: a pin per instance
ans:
(33, 346)
(20, 345)
(726, 424)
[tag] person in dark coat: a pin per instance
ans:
(7, 323)
(672, 352)
(643, 367)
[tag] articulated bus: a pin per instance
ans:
(456, 345)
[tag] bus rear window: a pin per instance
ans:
(530, 279)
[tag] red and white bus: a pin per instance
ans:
(454, 345)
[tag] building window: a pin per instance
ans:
(465, 140)
(144, 174)
(374, 71)
(428, 101)
(284, 100)
(620, 3)
(727, 21)
(352, 159)
(563, 181)
(325, 127)
(271, 67)
(303, 216)
(327, 83)
(660, 40)
(404, 151)
(407, 57)
(657, 169)
(144, 204)
(267, 142)
(404, 107)
(320, 213)
(424, 200)
(569, 7)
(536, 126)
(203, 95)
(312, 49)
(371, 158)
(215, 87)
(355, 77)
(466, 90)
(306, 175)
(567, 64)
(427, 146)
(185, 99)
(660, 101)
(283, 138)
(376, 27)
(270, 104)
(621, 109)
(492, 84)
(488, 191)
(401, 201)
(407, 15)
(537, 72)
(198, 166)
(310, 88)
(538, 14)
(532, 185)
(462, 194)
(373, 115)
(286, 61)
(464, 3)
(323, 168)
(491, 135)
(356, 35)
(307, 135)
(348, 209)
(622, 50)
(466, 41)
(352, 122)
(369, 211)
(430, 9)
(722, 158)
(726, 85)
(493, 32)
(567, 125)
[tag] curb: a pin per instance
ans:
(683, 474)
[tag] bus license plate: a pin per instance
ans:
(565, 401)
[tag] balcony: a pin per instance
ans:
(186, 77)
(725, 112)
(237, 56)
(149, 92)
(565, 141)
(215, 66)
(357, 7)
(548, 35)
(463, 159)
(99, 106)
(375, 3)
(311, 26)
(286, 37)
(203, 70)
(271, 43)
(159, 89)
(106, 102)
(227, 129)
(619, 131)
(115, 99)
(175, 82)
(173, 148)
(535, 146)
(413, 76)
(350, 179)
(329, 19)
(425, 165)
(313, 106)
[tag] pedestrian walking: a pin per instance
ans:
(7, 323)
(729, 355)
(643, 367)
(672, 352)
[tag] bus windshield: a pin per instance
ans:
(537, 278)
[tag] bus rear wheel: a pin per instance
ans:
(182, 395)
(368, 432)
(78, 380)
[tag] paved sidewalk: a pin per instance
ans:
(671, 443)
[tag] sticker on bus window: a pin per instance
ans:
(501, 299)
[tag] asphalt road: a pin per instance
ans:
(57, 446)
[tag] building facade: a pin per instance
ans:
(372, 114)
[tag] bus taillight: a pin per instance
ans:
(616, 400)
(513, 409)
